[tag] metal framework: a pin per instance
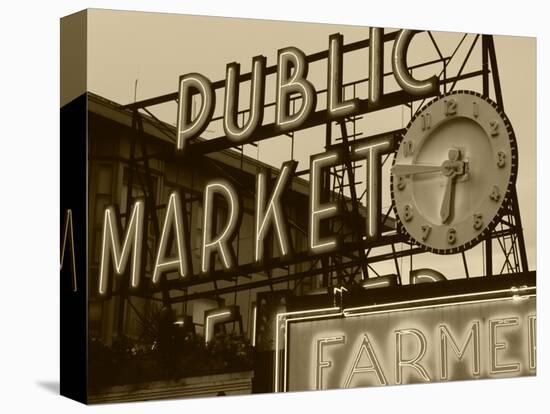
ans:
(355, 261)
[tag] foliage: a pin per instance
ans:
(166, 352)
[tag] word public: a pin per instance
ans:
(291, 73)
(122, 249)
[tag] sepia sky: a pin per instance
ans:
(156, 48)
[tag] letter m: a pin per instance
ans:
(447, 339)
(111, 247)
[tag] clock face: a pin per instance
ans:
(453, 172)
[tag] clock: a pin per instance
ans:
(453, 172)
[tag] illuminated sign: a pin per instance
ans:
(220, 316)
(312, 187)
(221, 243)
(111, 246)
(68, 233)
(269, 215)
(426, 155)
(273, 214)
(292, 71)
(479, 336)
(173, 220)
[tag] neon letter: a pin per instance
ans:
(495, 346)
(375, 367)
(69, 233)
(532, 342)
(318, 211)
(272, 214)
(231, 103)
(322, 364)
(413, 362)
(187, 128)
(209, 325)
(133, 240)
(401, 71)
(376, 65)
(372, 152)
(472, 336)
(335, 106)
(220, 244)
(173, 220)
(290, 82)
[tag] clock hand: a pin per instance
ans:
(450, 169)
(447, 199)
(409, 169)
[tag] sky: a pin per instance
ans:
(156, 48)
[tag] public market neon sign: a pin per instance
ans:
(120, 247)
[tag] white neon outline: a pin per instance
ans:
(402, 76)
(339, 290)
(259, 197)
(279, 316)
(345, 313)
(474, 335)
(180, 103)
(397, 69)
(428, 306)
(532, 341)
(173, 208)
(411, 363)
(380, 283)
(372, 227)
(494, 346)
(374, 89)
(228, 227)
(69, 232)
(119, 260)
(254, 313)
(214, 315)
(257, 68)
(351, 311)
(281, 235)
(313, 201)
(320, 362)
(334, 48)
(297, 71)
(366, 345)
(285, 360)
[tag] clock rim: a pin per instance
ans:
(507, 195)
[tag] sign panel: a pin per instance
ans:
(490, 338)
